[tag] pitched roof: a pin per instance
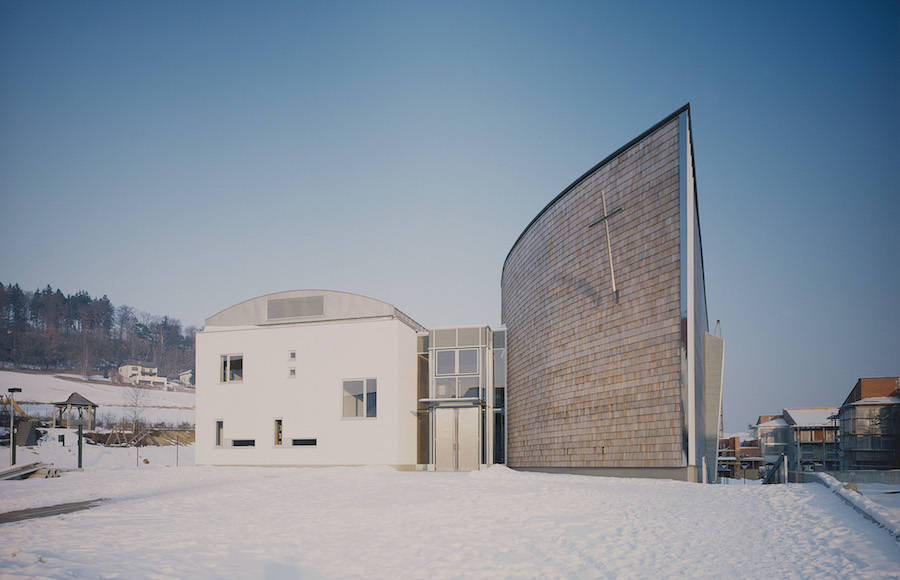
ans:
(77, 400)
(817, 417)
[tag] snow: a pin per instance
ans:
(379, 523)
(169, 406)
(886, 495)
(881, 511)
(878, 401)
(777, 422)
(813, 417)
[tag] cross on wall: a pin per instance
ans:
(605, 221)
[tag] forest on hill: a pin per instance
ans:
(48, 330)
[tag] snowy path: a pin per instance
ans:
(374, 522)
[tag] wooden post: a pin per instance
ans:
(80, 445)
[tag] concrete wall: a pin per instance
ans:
(593, 382)
(310, 404)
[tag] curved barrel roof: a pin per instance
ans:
(295, 306)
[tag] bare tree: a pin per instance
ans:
(134, 398)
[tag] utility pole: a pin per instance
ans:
(12, 424)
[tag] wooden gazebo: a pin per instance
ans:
(75, 411)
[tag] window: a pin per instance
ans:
(278, 436)
(457, 362)
(360, 398)
(292, 355)
(468, 361)
(446, 362)
(232, 368)
(243, 443)
(303, 442)
(292, 372)
(219, 428)
(468, 387)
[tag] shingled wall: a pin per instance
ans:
(593, 382)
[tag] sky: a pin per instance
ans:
(181, 157)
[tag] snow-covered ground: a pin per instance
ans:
(379, 523)
(113, 400)
(884, 494)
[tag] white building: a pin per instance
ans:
(138, 374)
(307, 378)
(185, 377)
(315, 377)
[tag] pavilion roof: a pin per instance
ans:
(77, 400)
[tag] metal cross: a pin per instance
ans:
(605, 221)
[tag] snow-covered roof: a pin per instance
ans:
(779, 422)
(815, 417)
(878, 401)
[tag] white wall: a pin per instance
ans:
(310, 404)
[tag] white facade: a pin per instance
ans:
(141, 375)
(298, 357)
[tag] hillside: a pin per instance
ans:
(41, 389)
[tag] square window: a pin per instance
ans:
(468, 387)
(292, 372)
(232, 368)
(445, 388)
(360, 398)
(468, 361)
(446, 362)
(293, 355)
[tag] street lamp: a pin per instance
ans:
(12, 424)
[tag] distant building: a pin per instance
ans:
(870, 425)
(186, 377)
(774, 436)
(814, 435)
(807, 437)
(739, 458)
(140, 374)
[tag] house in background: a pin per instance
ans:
(186, 377)
(807, 438)
(870, 425)
(739, 458)
(774, 436)
(814, 435)
(140, 374)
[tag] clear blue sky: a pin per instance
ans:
(181, 157)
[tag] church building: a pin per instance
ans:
(612, 369)
(604, 365)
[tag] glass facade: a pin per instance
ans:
(465, 369)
